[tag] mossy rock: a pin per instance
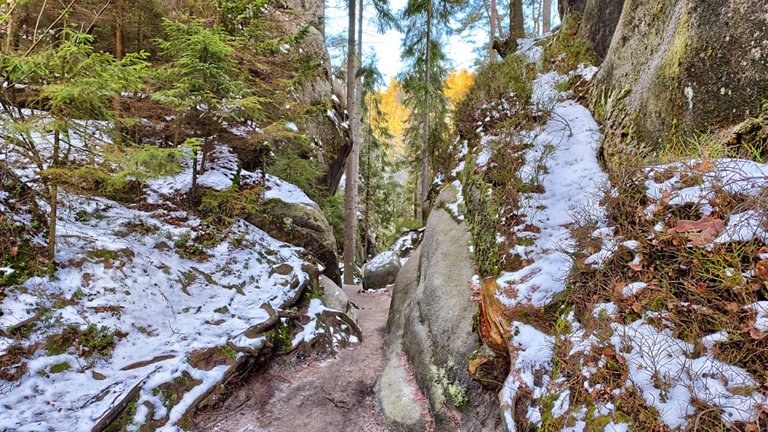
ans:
(688, 69)
(301, 225)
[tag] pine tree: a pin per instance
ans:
(73, 83)
(350, 188)
(202, 82)
(427, 24)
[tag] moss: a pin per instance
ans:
(565, 51)
(60, 367)
(90, 341)
(455, 391)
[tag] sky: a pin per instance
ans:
(387, 46)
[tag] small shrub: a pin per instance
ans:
(508, 81)
(223, 206)
(565, 51)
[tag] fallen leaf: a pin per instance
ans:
(636, 266)
(762, 269)
(757, 335)
(702, 231)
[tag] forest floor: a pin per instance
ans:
(334, 394)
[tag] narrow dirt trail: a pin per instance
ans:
(335, 394)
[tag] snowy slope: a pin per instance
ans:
(163, 285)
(573, 183)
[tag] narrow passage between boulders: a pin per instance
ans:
(334, 394)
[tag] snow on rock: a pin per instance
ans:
(381, 260)
(531, 352)
(570, 141)
(146, 277)
(457, 207)
(220, 173)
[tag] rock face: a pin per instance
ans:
(381, 271)
(683, 66)
(598, 24)
(431, 322)
(320, 90)
(304, 226)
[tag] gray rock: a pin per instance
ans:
(335, 298)
(304, 226)
(381, 271)
(431, 322)
(686, 66)
(598, 23)
(399, 400)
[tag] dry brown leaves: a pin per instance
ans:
(701, 232)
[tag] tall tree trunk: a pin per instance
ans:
(494, 18)
(53, 203)
(350, 188)
(547, 17)
(516, 21)
(9, 27)
(119, 16)
(425, 143)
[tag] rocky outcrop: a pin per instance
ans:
(304, 226)
(319, 90)
(598, 24)
(684, 66)
(433, 308)
(381, 271)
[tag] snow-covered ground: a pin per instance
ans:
(146, 276)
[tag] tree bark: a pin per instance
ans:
(425, 143)
(119, 15)
(547, 16)
(54, 204)
(9, 28)
(350, 188)
(494, 18)
(516, 20)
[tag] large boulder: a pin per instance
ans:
(598, 24)
(431, 322)
(381, 271)
(399, 400)
(683, 66)
(303, 225)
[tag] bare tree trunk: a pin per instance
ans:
(119, 15)
(9, 28)
(494, 18)
(350, 188)
(547, 17)
(54, 204)
(516, 21)
(425, 143)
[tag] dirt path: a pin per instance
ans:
(335, 394)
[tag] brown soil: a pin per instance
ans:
(335, 394)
